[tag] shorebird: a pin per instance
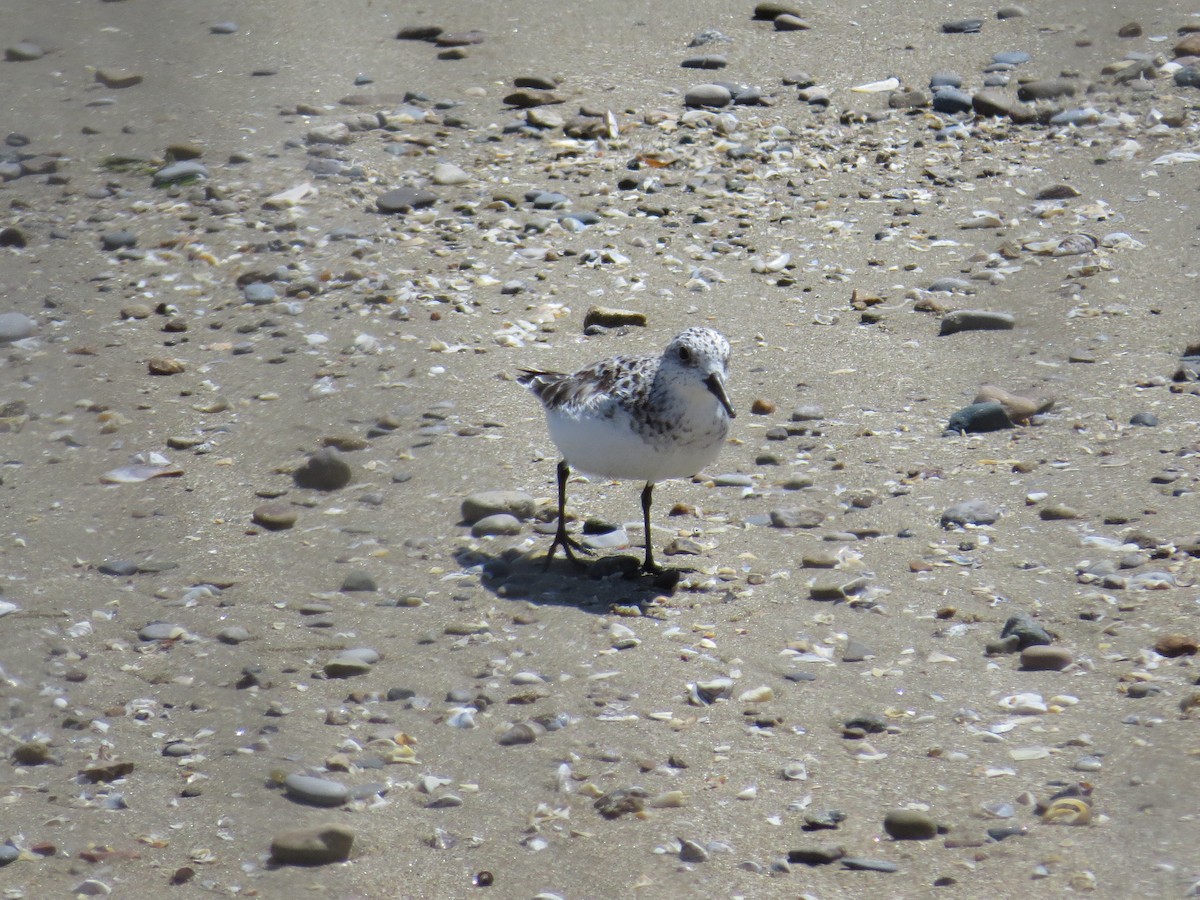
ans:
(643, 418)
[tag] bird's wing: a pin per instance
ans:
(599, 383)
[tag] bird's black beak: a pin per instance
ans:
(717, 386)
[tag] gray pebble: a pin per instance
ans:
(325, 470)
(15, 326)
(180, 171)
(233, 634)
(865, 864)
(970, 512)
(121, 568)
(909, 825)
(315, 846)
(1047, 89)
(316, 791)
(817, 854)
(448, 173)
(405, 199)
(487, 503)
(1145, 419)
(950, 285)
(796, 517)
(358, 581)
(790, 22)
(1026, 630)
(691, 852)
(963, 26)
(945, 79)
(23, 51)
(8, 854)
(160, 631)
(1011, 57)
(706, 61)
(1077, 117)
(497, 524)
(707, 95)
(118, 240)
(223, 28)
(1045, 659)
(976, 320)
(951, 100)
(979, 418)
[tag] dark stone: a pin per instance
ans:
(979, 418)
(325, 470)
(405, 199)
(1026, 630)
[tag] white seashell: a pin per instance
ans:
(877, 87)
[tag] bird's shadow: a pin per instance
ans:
(596, 585)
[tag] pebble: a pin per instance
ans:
(970, 512)
(8, 854)
(23, 51)
(160, 631)
(796, 517)
(119, 78)
(705, 61)
(817, 854)
(358, 581)
(482, 504)
(1144, 419)
(316, 845)
(611, 317)
(234, 634)
(1040, 658)
(275, 515)
(976, 320)
(223, 27)
(707, 95)
(16, 326)
(315, 791)
(867, 864)
(325, 470)
(258, 293)
(979, 418)
(404, 199)
(449, 174)
(909, 825)
(1026, 631)
(497, 524)
(188, 170)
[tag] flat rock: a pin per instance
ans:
(404, 199)
(970, 512)
(909, 825)
(979, 418)
(119, 78)
(314, 846)
(1042, 658)
(976, 320)
(707, 95)
(315, 791)
(610, 317)
(276, 515)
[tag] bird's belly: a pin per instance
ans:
(611, 448)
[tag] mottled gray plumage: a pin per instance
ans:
(639, 417)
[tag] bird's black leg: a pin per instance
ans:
(648, 565)
(561, 538)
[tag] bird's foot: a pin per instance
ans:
(568, 543)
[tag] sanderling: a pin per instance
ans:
(644, 418)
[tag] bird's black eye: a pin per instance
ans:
(685, 355)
